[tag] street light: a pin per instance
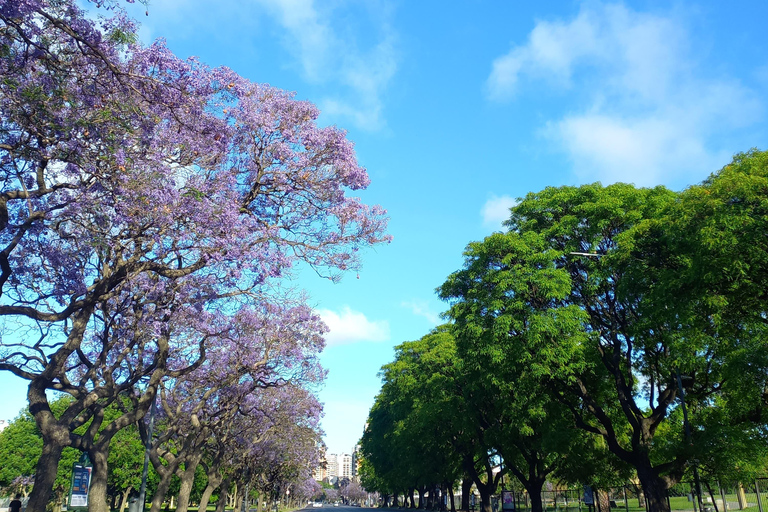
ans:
(696, 480)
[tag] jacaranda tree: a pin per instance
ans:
(133, 178)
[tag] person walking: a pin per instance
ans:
(15, 504)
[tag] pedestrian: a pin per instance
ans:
(15, 505)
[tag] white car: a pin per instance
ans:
(317, 504)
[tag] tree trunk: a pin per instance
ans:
(45, 475)
(450, 495)
(223, 494)
(97, 493)
(654, 489)
(466, 488)
(741, 497)
(485, 499)
(534, 493)
(603, 501)
(124, 499)
(421, 497)
(485, 490)
(162, 490)
(187, 482)
(213, 484)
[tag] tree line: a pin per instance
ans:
(151, 212)
(206, 482)
(611, 333)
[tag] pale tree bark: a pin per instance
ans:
(124, 498)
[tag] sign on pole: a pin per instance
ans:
(589, 497)
(81, 484)
(507, 500)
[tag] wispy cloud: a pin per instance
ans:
(421, 308)
(348, 50)
(328, 54)
(349, 326)
(496, 210)
(647, 113)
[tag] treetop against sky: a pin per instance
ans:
(456, 110)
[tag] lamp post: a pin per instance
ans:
(148, 446)
(696, 480)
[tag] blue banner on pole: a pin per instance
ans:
(81, 483)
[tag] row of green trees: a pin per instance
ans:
(612, 332)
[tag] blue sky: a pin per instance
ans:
(457, 108)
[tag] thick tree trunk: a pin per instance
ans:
(214, 481)
(654, 489)
(223, 494)
(485, 498)
(603, 501)
(187, 482)
(466, 488)
(45, 475)
(421, 497)
(162, 490)
(485, 490)
(450, 495)
(534, 493)
(97, 494)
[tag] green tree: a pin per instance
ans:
(20, 447)
(422, 432)
(581, 288)
(18, 443)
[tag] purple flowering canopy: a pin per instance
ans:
(148, 207)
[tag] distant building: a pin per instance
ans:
(333, 465)
(336, 465)
(321, 471)
(345, 463)
(356, 458)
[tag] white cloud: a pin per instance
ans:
(326, 44)
(421, 308)
(496, 210)
(348, 326)
(309, 35)
(647, 113)
(327, 56)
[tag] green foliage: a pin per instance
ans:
(18, 443)
(570, 332)
(599, 297)
(21, 445)
(414, 425)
